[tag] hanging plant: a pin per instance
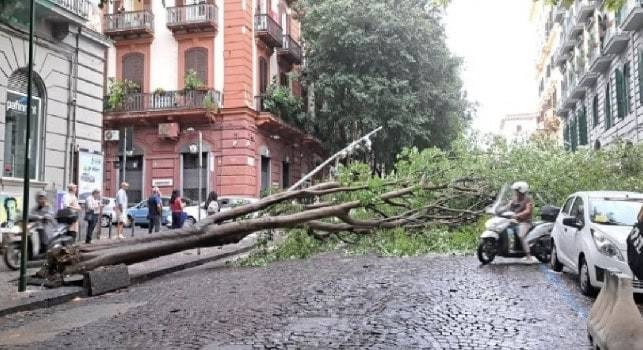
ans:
(118, 90)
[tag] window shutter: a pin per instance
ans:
(582, 127)
(574, 135)
(626, 87)
(197, 59)
(608, 108)
(595, 112)
(263, 75)
(134, 69)
(620, 95)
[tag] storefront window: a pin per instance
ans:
(16, 133)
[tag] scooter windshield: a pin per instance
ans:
(502, 200)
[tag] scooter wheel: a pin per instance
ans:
(487, 251)
(12, 256)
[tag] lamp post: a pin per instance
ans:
(199, 151)
(22, 284)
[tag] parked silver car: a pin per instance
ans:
(109, 214)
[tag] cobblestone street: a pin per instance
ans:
(330, 301)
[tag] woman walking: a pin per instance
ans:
(211, 204)
(176, 206)
(91, 215)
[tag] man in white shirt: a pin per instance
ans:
(121, 208)
(71, 201)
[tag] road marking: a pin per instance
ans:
(568, 296)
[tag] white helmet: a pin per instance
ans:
(520, 186)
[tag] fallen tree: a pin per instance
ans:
(324, 209)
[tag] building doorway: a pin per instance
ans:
(265, 174)
(190, 176)
(285, 175)
(133, 176)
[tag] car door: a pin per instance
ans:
(560, 233)
(574, 234)
(140, 214)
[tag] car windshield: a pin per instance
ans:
(614, 212)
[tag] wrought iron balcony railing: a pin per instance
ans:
(77, 7)
(133, 22)
(268, 30)
(199, 16)
(290, 50)
(168, 100)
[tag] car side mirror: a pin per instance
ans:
(573, 222)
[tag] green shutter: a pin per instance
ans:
(573, 130)
(640, 76)
(620, 95)
(595, 112)
(582, 127)
(567, 142)
(608, 107)
(626, 87)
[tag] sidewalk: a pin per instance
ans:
(11, 301)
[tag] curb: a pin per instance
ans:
(29, 305)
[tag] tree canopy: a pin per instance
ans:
(382, 63)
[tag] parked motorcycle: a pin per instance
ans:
(36, 249)
(500, 237)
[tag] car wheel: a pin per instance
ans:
(584, 281)
(130, 222)
(553, 259)
(105, 221)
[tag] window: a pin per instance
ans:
(626, 87)
(620, 94)
(573, 134)
(608, 107)
(16, 130)
(566, 138)
(595, 111)
(568, 205)
(196, 59)
(263, 75)
(134, 69)
(577, 209)
(285, 175)
(283, 79)
(582, 127)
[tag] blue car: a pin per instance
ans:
(138, 213)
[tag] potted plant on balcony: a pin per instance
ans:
(192, 81)
(280, 101)
(118, 92)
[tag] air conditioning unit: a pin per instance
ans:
(112, 135)
(169, 130)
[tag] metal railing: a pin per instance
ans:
(266, 24)
(168, 100)
(259, 103)
(628, 7)
(126, 21)
(292, 47)
(77, 7)
(190, 14)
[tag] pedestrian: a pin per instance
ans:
(176, 206)
(212, 204)
(121, 208)
(635, 247)
(70, 202)
(155, 211)
(92, 205)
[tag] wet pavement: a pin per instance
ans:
(328, 302)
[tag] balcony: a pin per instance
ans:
(615, 41)
(584, 9)
(58, 11)
(633, 10)
(167, 101)
(562, 56)
(599, 63)
(290, 50)
(131, 24)
(268, 31)
(559, 14)
(193, 18)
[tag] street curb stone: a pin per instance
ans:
(62, 295)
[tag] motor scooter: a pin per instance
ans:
(500, 237)
(59, 236)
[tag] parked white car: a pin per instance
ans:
(109, 214)
(590, 236)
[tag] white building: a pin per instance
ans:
(519, 127)
(68, 76)
(600, 54)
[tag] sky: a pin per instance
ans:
(497, 42)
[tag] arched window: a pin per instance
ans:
(196, 59)
(16, 130)
(134, 69)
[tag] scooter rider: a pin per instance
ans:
(523, 208)
(43, 213)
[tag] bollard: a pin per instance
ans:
(133, 226)
(109, 230)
